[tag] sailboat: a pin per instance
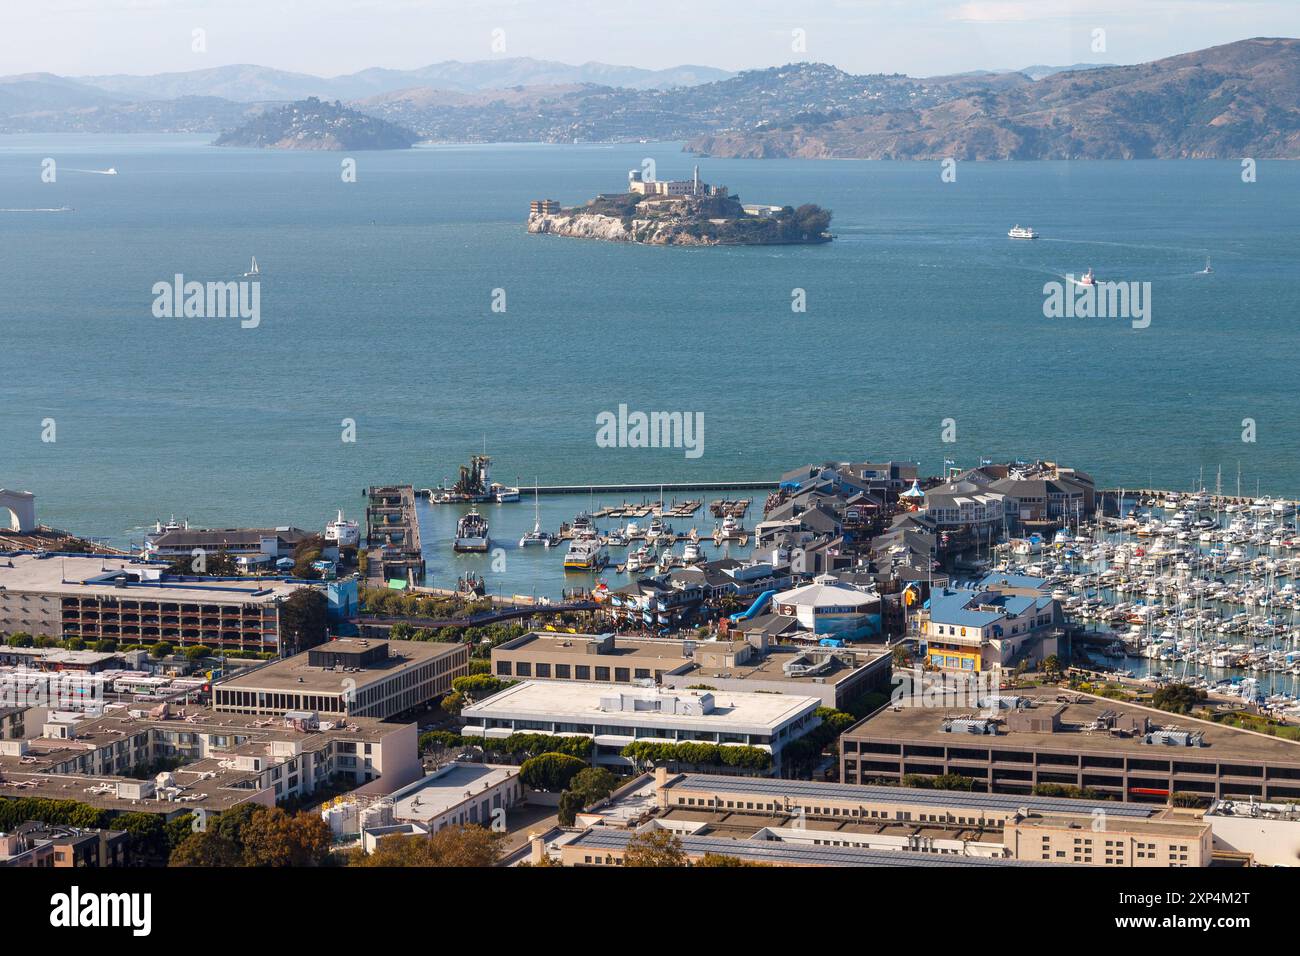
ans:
(253, 271)
(1207, 270)
(537, 535)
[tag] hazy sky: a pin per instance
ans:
(330, 37)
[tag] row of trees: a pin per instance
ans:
(698, 754)
(251, 835)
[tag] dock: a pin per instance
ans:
(641, 487)
(392, 535)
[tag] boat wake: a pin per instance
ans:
(94, 172)
(59, 209)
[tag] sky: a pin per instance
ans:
(331, 37)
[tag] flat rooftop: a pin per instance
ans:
(814, 793)
(210, 782)
(1078, 712)
(296, 674)
(580, 701)
(91, 576)
(789, 854)
(576, 646)
(771, 667)
(447, 788)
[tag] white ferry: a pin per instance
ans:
(1022, 232)
(345, 533)
(586, 554)
(471, 533)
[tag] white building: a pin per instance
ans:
(617, 716)
(830, 609)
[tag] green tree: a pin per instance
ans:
(657, 847)
(467, 846)
(274, 838)
(160, 650)
(551, 772)
(304, 619)
(1178, 698)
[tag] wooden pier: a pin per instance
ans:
(392, 535)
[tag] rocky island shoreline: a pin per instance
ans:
(680, 213)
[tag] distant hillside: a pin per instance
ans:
(1242, 99)
(250, 84)
(313, 124)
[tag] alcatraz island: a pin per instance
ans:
(680, 212)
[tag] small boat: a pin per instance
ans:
(1088, 278)
(1207, 270)
(1022, 232)
(471, 533)
(253, 271)
(111, 171)
(640, 559)
(691, 552)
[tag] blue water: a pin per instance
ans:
(376, 306)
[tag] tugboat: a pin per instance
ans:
(1022, 232)
(471, 533)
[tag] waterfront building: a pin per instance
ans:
(260, 544)
(543, 207)
(1119, 750)
(134, 602)
(990, 626)
(352, 677)
(1268, 834)
(831, 610)
(616, 716)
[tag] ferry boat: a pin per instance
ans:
(504, 493)
(1088, 278)
(343, 532)
(1022, 232)
(471, 533)
(586, 554)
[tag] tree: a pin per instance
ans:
(274, 838)
(20, 639)
(197, 653)
(467, 846)
(571, 804)
(304, 619)
(160, 650)
(1052, 667)
(657, 847)
(207, 848)
(593, 783)
(1178, 698)
(724, 859)
(550, 771)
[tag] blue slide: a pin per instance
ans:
(755, 608)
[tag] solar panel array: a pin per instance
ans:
(804, 791)
(775, 851)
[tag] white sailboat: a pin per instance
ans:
(253, 271)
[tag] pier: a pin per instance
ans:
(392, 535)
(649, 486)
